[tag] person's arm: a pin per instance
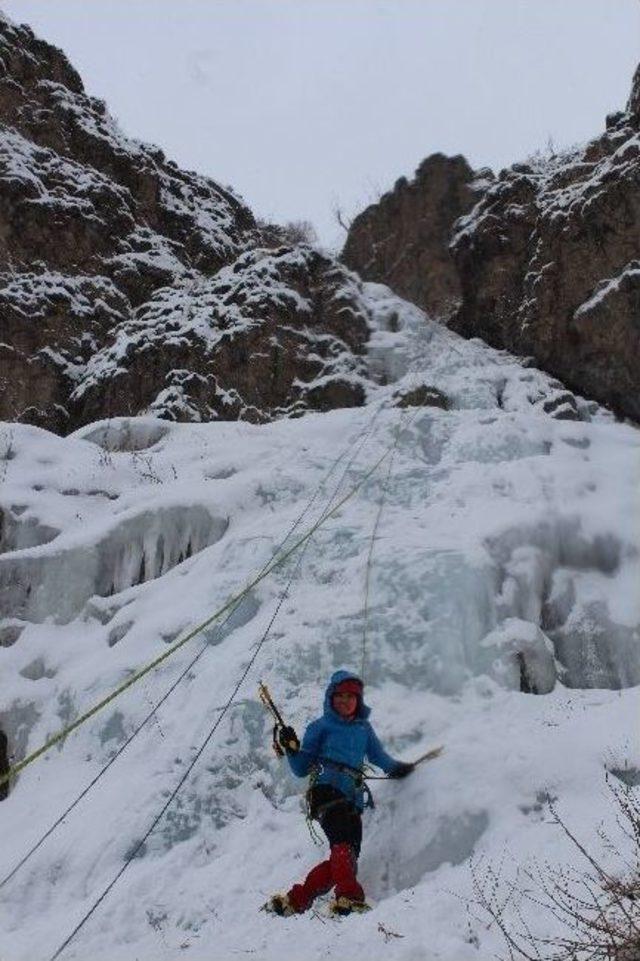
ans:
(303, 760)
(378, 756)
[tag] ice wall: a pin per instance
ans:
(140, 545)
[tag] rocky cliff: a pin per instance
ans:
(544, 260)
(128, 285)
(403, 239)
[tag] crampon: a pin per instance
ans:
(342, 906)
(279, 904)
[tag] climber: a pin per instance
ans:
(333, 750)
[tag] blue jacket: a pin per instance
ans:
(346, 742)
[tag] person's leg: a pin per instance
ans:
(319, 880)
(342, 824)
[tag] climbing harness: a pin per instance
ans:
(311, 815)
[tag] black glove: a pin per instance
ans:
(288, 740)
(400, 769)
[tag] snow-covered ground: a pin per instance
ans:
(506, 555)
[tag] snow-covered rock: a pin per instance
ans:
(277, 332)
(541, 259)
(129, 286)
(548, 264)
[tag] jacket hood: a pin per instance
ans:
(362, 711)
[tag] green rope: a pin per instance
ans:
(316, 837)
(138, 675)
(385, 486)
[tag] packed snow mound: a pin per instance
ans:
(124, 433)
(502, 622)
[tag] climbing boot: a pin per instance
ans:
(342, 906)
(279, 904)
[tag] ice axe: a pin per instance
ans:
(429, 756)
(265, 696)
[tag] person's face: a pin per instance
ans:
(344, 704)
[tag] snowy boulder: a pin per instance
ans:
(421, 396)
(331, 391)
(124, 433)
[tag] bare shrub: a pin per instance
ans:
(295, 232)
(300, 232)
(595, 912)
(341, 218)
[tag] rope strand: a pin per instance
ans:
(365, 612)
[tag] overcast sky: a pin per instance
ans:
(304, 104)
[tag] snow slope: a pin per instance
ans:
(506, 555)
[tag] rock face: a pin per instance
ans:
(403, 240)
(276, 332)
(128, 285)
(547, 262)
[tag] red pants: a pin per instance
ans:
(339, 870)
